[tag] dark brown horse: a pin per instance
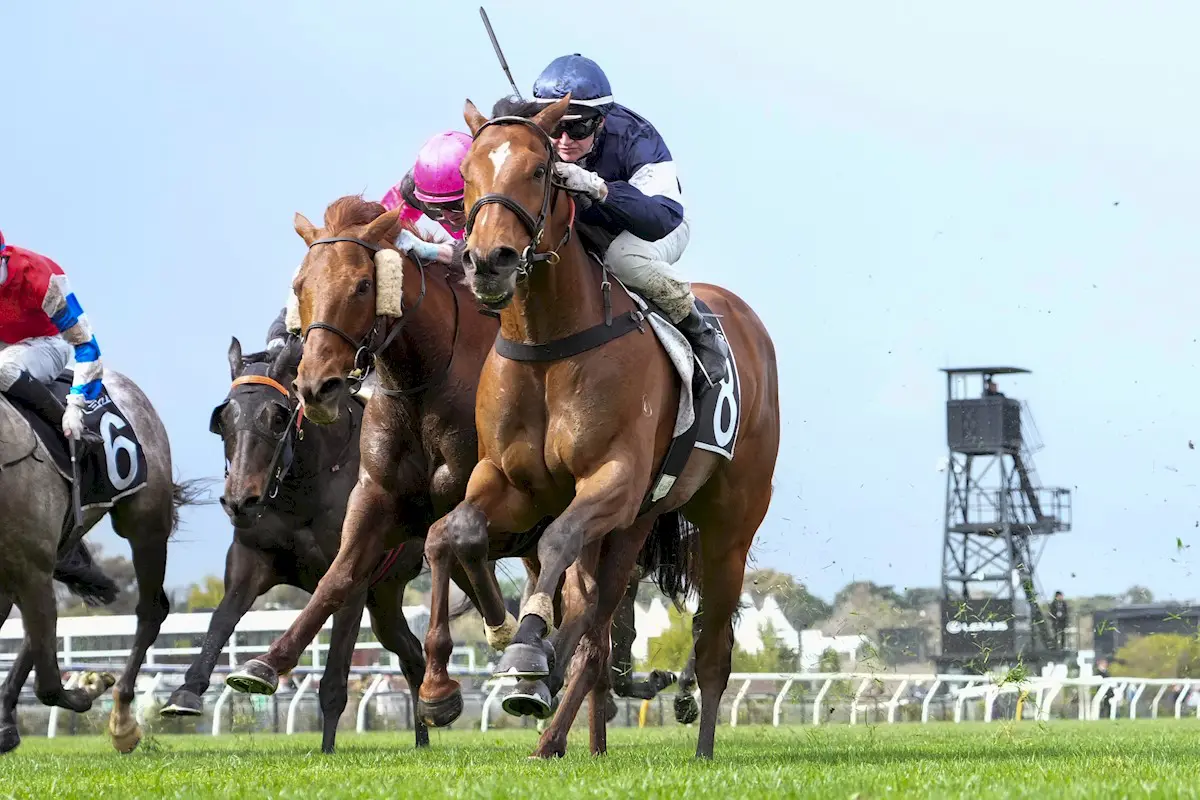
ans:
(286, 487)
(358, 301)
(578, 436)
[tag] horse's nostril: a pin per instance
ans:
(330, 388)
(504, 258)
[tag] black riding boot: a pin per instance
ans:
(709, 347)
(37, 396)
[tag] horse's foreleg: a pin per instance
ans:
(604, 501)
(6, 605)
(336, 677)
(248, 574)
(490, 499)
(150, 566)
(392, 631)
(370, 513)
(590, 668)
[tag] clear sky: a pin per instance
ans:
(894, 187)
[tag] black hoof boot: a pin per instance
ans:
(183, 703)
(660, 679)
(9, 738)
(440, 713)
(255, 677)
(529, 699)
(525, 661)
(687, 710)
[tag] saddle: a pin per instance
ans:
(109, 471)
(708, 417)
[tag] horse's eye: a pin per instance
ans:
(363, 287)
(540, 172)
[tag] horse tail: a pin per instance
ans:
(83, 577)
(671, 556)
(193, 492)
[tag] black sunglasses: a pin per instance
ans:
(437, 210)
(577, 129)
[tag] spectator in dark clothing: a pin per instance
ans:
(1058, 619)
(1106, 701)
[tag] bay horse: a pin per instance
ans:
(577, 435)
(419, 435)
(286, 486)
(35, 503)
(356, 300)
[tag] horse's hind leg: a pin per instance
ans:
(9, 695)
(335, 679)
(686, 707)
(40, 617)
(623, 634)
(724, 550)
(6, 605)
(146, 529)
(392, 631)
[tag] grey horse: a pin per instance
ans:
(35, 502)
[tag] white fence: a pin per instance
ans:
(90, 643)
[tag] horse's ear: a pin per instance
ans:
(379, 230)
(307, 231)
(235, 358)
(474, 119)
(549, 116)
(287, 359)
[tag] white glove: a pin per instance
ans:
(578, 179)
(72, 421)
(426, 251)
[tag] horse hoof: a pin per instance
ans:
(9, 738)
(523, 661)
(125, 743)
(686, 708)
(440, 713)
(529, 699)
(255, 677)
(610, 709)
(183, 703)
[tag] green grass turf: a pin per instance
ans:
(1060, 759)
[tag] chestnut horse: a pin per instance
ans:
(578, 436)
(357, 300)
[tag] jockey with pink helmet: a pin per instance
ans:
(433, 189)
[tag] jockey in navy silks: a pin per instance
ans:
(618, 159)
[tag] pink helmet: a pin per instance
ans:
(436, 171)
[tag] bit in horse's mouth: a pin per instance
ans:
(495, 302)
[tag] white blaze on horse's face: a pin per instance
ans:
(498, 157)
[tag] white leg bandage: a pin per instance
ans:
(540, 605)
(501, 636)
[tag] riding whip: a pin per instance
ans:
(499, 54)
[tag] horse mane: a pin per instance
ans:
(353, 211)
(513, 106)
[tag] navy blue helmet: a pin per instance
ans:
(579, 76)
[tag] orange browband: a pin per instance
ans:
(262, 380)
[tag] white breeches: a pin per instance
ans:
(43, 358)
(650, 268)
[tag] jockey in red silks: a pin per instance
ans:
(41, 326)
(433, 190)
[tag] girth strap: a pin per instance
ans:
(572, 345)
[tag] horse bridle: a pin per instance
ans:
(536, 228)
(366, 349)
(284, 454)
